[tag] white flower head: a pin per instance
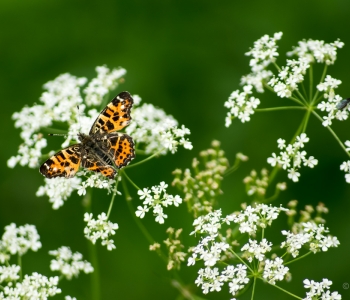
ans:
(69, 264)
(156, 198)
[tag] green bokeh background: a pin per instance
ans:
(185, 57)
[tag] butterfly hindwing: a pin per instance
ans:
(64, 163)
(119, 147)
(115, 116)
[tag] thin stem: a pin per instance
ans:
(233, 168)
(242, 261)
(300, 257)
(301, 96)
(128, 178)
(277, 67)
(280, 108)
(306, 120)
(333, 133)
(19, 263)
(113, 196)
(322, 78)
(146, 159)
(184, 291)
(253, 288)
(311, 81)
(95, 276)
(283, 290)
(297, 100)
(304, 91)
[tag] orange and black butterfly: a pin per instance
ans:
(103, 150)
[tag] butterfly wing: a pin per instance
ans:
(96, 161)
(64, 163)
(115, 116)
(119, 147)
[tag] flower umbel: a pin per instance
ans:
(292, 159)
(156, 198)
(100, 228)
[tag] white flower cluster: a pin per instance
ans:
(18, 240)
(59, 189)
(274, 270)
(292, 158)
(156, 198)
(214, 248)
(100, 228)
(105, 81)
(212, 280)
(29, 152)
(320, 290)
(95, 180)
(9, 273)
(331, 106)
(252, 218)
(288, 78)
(345, 166)
(210, 251)
(254, 249)
(69, 264)
(241, 105)
(156, 130)
(35, 286)
(309, 233)
(319, 51)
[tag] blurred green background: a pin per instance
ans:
(185, 57)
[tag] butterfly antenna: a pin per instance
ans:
(79, 117)
(57, 134)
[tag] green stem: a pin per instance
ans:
(277, 67)
(241, 260)
(300, 257)
(283, 290)
(280, 108)
(332, 132)
(19, 262)
(306, 121)
(113, 196)
(253, 288)
(231, 169)
(95, 276)
(146, 159)
(128, 178)
(322, 78)
(311, 81)
(301, 96)
(297, 100)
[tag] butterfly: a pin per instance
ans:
(103, 150)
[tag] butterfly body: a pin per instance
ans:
(102, 150)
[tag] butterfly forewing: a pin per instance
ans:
(115, 116)
(64, 163)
